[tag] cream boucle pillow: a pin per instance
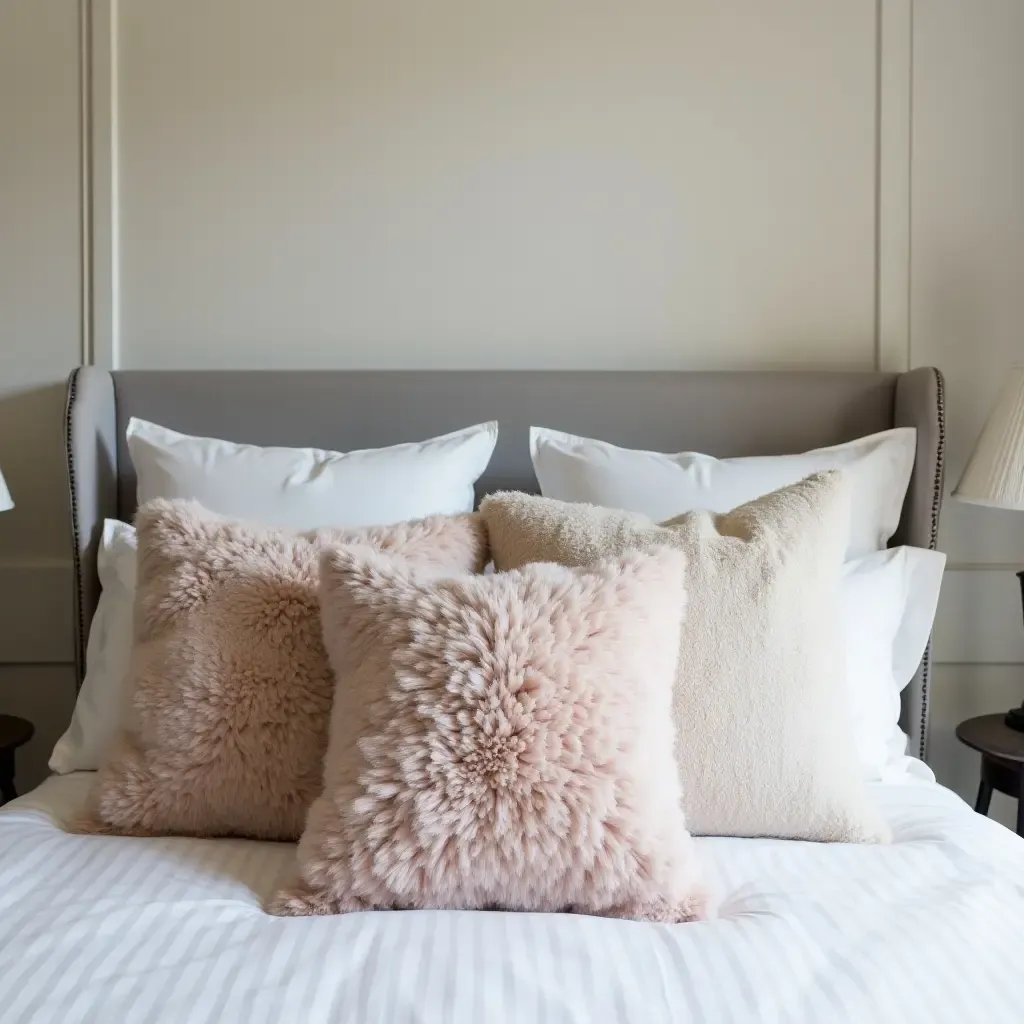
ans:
(764, 744)
(501, 742)
(229, 682)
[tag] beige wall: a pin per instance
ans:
(968, 317)
(491, 185)
(40, 339)
(540, 184)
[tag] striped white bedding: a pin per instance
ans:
(124, 930)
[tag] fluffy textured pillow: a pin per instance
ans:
(501, 741)
(229, 682)
(764, 744)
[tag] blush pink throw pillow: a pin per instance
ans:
(229, 684)
(501, 741)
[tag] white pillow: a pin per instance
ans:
(97, 715)
(888, 602)
(660, 486)
(304, 488)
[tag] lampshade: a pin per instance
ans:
(6, 501)
(995, 474)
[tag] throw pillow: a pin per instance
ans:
(229, 683)
(500, 741)
(764, 744)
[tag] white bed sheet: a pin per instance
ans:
(125, 930)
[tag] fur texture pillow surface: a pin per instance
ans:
(764, 741)
(500, 741)
(229, 683)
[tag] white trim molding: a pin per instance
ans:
(85, 176)
(1012, 567)
(100, 172)
(894, 152)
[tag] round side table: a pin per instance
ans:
(1002, 760)
(14, 732)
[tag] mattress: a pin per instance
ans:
(115, 929)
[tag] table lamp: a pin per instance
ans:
(6, 501)
(995, 473)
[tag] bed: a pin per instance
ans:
(105, 928)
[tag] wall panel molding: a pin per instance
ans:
(893, 142)
(893, 209)
(36, 610)
(85, 174)
(979, 619)
(339, 312)
(100, 170)
(1011, 567)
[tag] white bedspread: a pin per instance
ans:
(930, 928)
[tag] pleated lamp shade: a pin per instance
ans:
(995, 474)
(6, 501)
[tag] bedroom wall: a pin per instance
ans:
(543, 184)
(496, 185)
(40, 338)
(967, 316)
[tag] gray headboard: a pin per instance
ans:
(724, 414)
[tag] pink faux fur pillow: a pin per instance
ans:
(229, 682)
(500, 742)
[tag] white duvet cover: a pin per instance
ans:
(123, 930)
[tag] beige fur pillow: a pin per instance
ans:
(229, 683)
(764, 745)
(500, 741)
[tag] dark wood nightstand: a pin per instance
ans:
(14, 732)
(1002, 760)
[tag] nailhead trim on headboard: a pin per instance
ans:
(940, 454)
(76, 557)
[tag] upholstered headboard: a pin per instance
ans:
(723, 414)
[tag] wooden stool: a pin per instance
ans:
(1002, 760)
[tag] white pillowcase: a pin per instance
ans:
(888, 601)
(97, 715)
(300, 488)
(661, 486)
(305, 488)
